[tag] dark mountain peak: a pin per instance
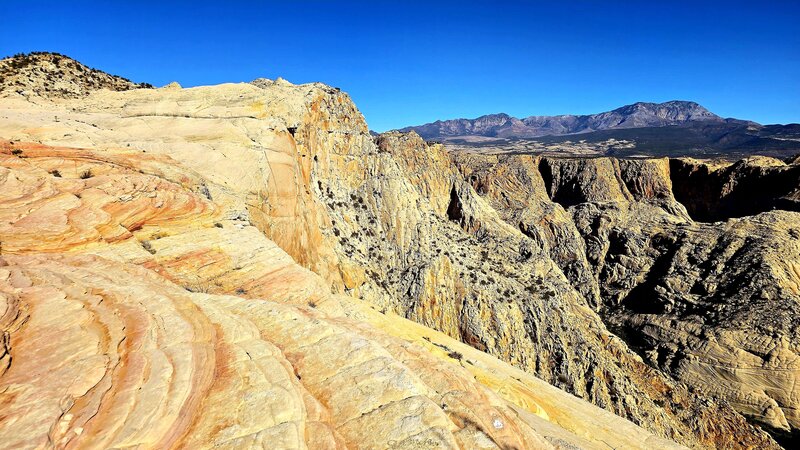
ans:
(636, 115)
(47, 74)
(495, 116)
(673, 107)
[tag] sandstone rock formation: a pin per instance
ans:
(55, 75)
(104, 354)
(135, 313)
(263, 229)
(146, 301)
(714, 305)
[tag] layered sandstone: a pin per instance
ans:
(714, 305)
(152, 297)
(121, 333)
(278, 194)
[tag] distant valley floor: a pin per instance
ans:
(707, 140)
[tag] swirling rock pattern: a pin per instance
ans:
(140, 308)
(104, 355)
(250, 217)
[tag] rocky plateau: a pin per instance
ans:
(246, 266)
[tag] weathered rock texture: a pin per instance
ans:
(151, 293)
(717, 306)
(104, 355)
(42, 74)
(720, 191)
(266, 202)
(117, 331)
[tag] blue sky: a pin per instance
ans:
(408, 63)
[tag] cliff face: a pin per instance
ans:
(541, 241)
(248, 210)
(415, 237)
(147, 299)
(714, 192)
(714, 305)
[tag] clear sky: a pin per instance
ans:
(407, 63)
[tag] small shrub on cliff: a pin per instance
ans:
(86, 174)
(455, 355)
(201, 287)
(55, 173)
(206, 193)
(149, 247)
(530, 289)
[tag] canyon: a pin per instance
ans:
(245, 265)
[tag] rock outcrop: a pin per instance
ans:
(156, 321)
(146, 299)
(103, 354)
(266, 226)
(52, 75)
(714, 305)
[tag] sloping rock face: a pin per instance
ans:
(152, 292)
(277, 194)
(104, 355)
(714, 305)
(497, 284)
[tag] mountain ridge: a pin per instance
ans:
(677, 128)
(634, 115)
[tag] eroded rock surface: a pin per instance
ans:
(126, 337)
(714, 305)
(105, 354)
(253, 207)
(151, 296)
(51, 75)
(713, 192)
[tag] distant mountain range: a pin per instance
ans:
(670, 128)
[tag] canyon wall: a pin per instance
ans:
(713, 304)
(588, 274)
(142, 302)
